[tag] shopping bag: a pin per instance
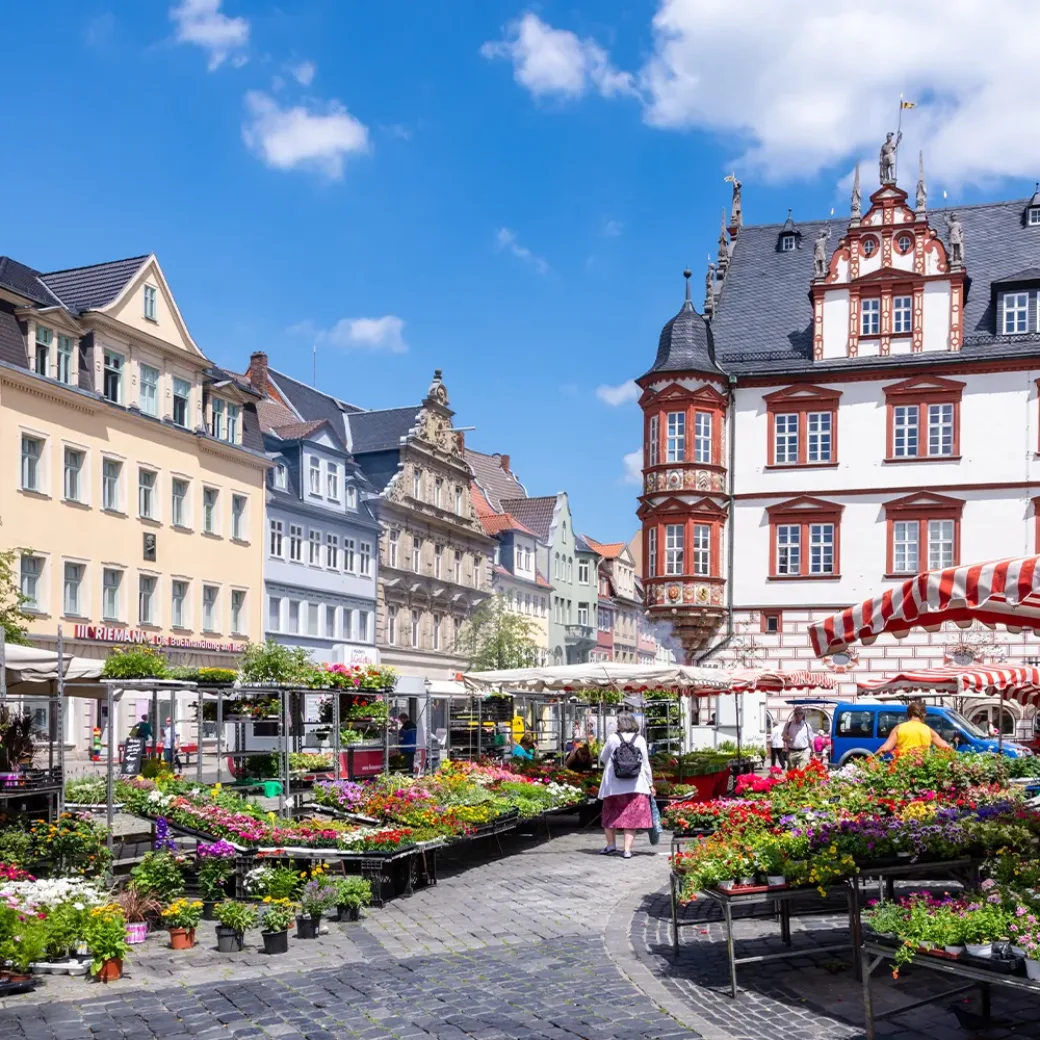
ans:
(655, 816)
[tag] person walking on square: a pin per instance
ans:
(798, 738)
(627, 786)
(777, 754)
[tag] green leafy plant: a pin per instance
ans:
(204, 676)
(70, 845)
(27, 944)
(182, 913)
(135, 662)
(239, 916)
(317, 897)
(65, 927)
(309, 763)
(16, 846)
(86, 790)
(160, 874)
(274, 882)
(271, 662)
(106, 936)
(352, 891)
(276, 915)
(212, 876)
(351, 736)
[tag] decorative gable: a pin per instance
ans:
(803, 393)
(925, 388)
(804, 504)
(925, 502)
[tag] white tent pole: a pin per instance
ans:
(3, 665)
(60, 723)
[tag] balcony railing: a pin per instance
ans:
(579, 634)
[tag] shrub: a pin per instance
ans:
(352, 891)
(159, 874)
(272, 662)
(239, 916)
(135, 662)
(28, 943)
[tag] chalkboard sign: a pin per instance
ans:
(133, 754)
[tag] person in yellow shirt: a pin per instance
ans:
(914, 733)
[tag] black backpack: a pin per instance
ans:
(627, 759)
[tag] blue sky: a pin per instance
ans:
(508, 193)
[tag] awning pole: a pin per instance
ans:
(60, 722)
(3, 665)
(109, 811)
(198, 737)
(1000, 722)
(335, 736)
(220, 733)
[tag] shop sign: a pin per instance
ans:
(356, 656)
(110, 634)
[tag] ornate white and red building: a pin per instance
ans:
(858, 402)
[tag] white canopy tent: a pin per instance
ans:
(28, 668)
(603, 675)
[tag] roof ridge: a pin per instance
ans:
(100, 263)
(315, 390)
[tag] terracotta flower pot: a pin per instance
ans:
(111, 970)
(180, 939)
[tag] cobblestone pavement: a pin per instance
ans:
(548, 940)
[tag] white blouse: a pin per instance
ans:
(613, 785)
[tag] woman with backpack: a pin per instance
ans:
(627, 785)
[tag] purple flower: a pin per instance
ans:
(215, 850)
(163, 841)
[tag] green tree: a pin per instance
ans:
(494, 637)
(12, 603)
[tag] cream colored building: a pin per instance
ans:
(135, 483)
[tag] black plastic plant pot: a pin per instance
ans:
(230, 941)
(307, 927)
(276, 942)
(348, 913)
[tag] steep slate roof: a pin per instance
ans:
(380, 430)
(763, 319)
(26, 282)
(89, 288)
(495, 482)
(686, 342)
(581, 544)
(534, 513)
(12, 340)
(310, 403)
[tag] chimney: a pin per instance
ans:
(258, 372)
(504, 460)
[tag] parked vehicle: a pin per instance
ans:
(860, 728)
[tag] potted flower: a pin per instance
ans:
(275, 917)
(158, 874)
(235, 920)
(137, 908)
(180, 918)
(26, 944)
(216, 866)
(105, 934)
(352, 893)
(983, 924)
(317, 897)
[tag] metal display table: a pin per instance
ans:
(776, 902)
(874, 954)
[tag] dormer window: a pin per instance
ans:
(1016, 313)
(787, 243)
(281, 477)
(1033, 216)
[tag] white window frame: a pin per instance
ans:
(821, 548)
(217, 409)
(654, 454)
(31, 570)
(73, 477)
(675, 446)
(941, 419)
(180, 513)
(351, 496)
(239, 505)
(787, 243)
(702, 427)
(314, 543)
(281, 477)
(274, 613)
(365, 559)
(417, 475)
(42, 353)
(456, 567)
(1034, 216)
(785, 438)
(906, 543)
(313, 618)
(211, 603)
(942, 536)
(1016, 313)
(331, 627)
(332, 551)
(232, 423)
(314, 475)
(789, 549)
(391, 625)
(276, 539)
(438, 492)
(906, 431)
(181, 392)
(114, 364)
(238, 604)
(150, 399)
(674, 548)
(150, 296)
(651, 552)
(112, 503)
(211, 510)
(393, 547)
(65, 366)
(147, 585)
(147, 504)
(296, 543)
(349, 555)
(902, 315)
(363, 619)
(819, 436)
(32, 463)
(112, 593)
(292, 623)
(68, 607)
(416, 628)
(702, 550)
(180, 605)
(332, 481)
(870, 316)
(417, 548)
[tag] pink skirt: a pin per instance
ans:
(628, 812)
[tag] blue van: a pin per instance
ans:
(859, 729)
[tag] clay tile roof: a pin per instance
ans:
(535, 513)
(542, 581)
(481, 506)
(496, 482)
(496, 523)
(273, 414)
(295, 430)
(608, 550)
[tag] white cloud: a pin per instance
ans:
(633, 462)
(620, 394)
(611, 228)
(202, 23)
(304, 72)
(799, 106)
(301, 136)
(379, 335)
(506, 239)
(557, 62)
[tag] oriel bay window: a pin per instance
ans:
(803, 426)
(923, 419)
(675, 445)
(702, 549)
(923, 533)
(674, 548)
(702, 443)
(805, 538)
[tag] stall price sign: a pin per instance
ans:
(133, 754)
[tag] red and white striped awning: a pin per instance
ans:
(1022, 683)
(1004, 592)
(743, 680)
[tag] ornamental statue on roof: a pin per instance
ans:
(820, 252)
(887, 162)
(856, 206)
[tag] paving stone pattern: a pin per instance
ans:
(541, 939)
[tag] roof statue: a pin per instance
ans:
(956, 237)
(438, 392)
(709, 290)
(857, 199)
(887, 162)
(723, 245)
(922, 190)
(736, 212)
(820, 252)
